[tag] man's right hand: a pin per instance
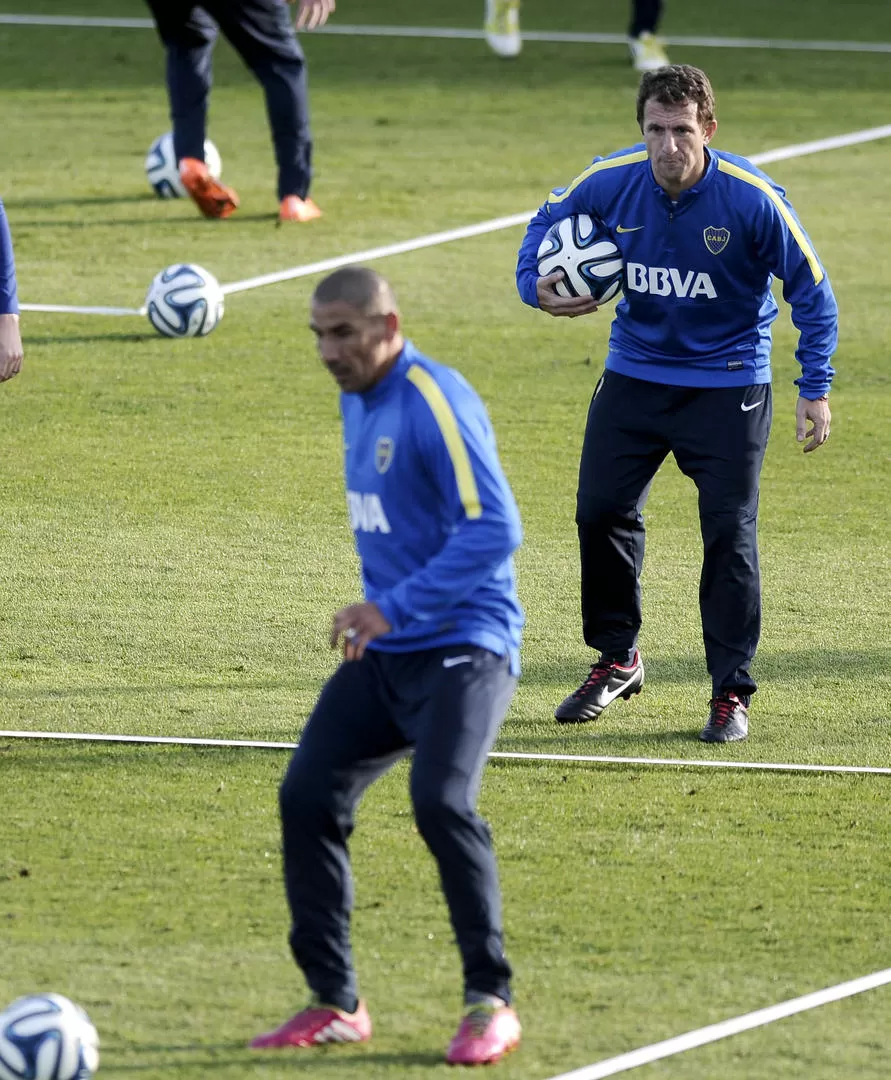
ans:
(549, 299)
(312, 13)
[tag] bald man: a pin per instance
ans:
(430, 664)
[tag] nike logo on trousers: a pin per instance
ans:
(748, 408)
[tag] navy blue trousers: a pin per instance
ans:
(718, 438)
(445, 704)
(262, 33)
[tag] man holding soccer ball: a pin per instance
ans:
(702, 234)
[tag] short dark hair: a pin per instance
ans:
(676, 85)
(359, 286)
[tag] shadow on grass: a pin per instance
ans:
(238, 1055)
(86, 339)
(149, 221)
(86, 200)
(55, 693)
(676, 670)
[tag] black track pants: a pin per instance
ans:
(718, 437)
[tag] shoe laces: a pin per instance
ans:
(723, 708)
(599, 673)
(477, 1019)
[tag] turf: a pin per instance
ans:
(173, 541)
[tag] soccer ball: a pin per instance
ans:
(163, 173)
(47, 1037)
(591, 262)
(184, 300)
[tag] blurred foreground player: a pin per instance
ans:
(10, 338)
(261, 32)
(430, 663)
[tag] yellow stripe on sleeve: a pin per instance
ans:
(448, 426)
(599, 166)
(793, 226)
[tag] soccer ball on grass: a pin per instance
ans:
(184, 300)
(583, 249)
(163, 172)
(47, 1037)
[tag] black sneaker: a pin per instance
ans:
(605, 682)
(728, 719)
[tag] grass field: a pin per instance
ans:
(174, 539)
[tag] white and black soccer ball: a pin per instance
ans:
(47, 1037)
(184, 300)
(162, 170)
(583, 249)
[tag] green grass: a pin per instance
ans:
(174, 539)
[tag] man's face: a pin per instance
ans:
(676, 144)
(355, 348)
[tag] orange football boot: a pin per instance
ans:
(214, 199)
(293, 208)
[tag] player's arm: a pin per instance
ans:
(456, 448)
(10, 337)
(539, 291)
(791, 257)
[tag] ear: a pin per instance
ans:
(709, 130)
(391, 325)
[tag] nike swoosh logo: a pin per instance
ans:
(451, 661)
(634, 228)
(748, 408)
(611, 695)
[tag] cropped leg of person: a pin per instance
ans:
(647, 50)
(645, 16)
(348, 742)
(452, 713)
(720, 443)
(263, 35)
(189, 35)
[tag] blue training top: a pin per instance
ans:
(434, 519)
(9, 303)
(697, 307)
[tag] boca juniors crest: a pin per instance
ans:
(716, 239)
(383, 453)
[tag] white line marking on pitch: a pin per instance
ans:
(460, 33)
(781, 153)
(504, 755)
(726, 1028)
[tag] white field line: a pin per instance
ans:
(458, 33)
(781, 153)
(431, 240)
(600, 759)
(726, 1028)
(73, 309)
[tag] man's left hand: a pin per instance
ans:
(10, 347)
(817, 412)
(356, 625)
(312, 13)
